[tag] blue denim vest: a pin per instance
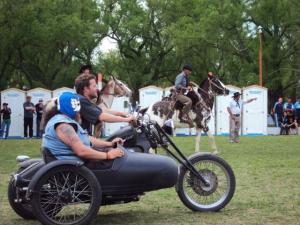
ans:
(58, 148)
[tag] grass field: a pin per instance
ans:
(267, 171)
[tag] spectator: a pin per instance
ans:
(297, 109)
(289, 125)
(288, 104)
(278, 112)
(5, 111)
(39, 112)
(29, 110)
(234, 109)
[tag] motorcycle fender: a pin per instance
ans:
(45, 169)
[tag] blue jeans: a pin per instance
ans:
(278, 119)
(5, 124)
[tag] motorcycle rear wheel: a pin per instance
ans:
(66, 195)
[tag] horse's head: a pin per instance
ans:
(120, 88)
(212, 84)
(217, 86)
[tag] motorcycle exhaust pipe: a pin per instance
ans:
(22, 158)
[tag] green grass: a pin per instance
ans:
(267, 171)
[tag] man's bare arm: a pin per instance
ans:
(229, 111)
(98, 143)
(106, 117)
(67, 134)
(113, 112)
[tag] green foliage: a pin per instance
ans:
(43, 43)
(48, 39)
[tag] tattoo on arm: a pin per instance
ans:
(68, 134)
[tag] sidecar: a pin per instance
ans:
(71, 192)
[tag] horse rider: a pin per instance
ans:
(182, 86)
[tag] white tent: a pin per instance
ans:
(39, 93)
(59, 91)
(222, 116)
(15, 99)
(255, 114)
(119, 104)
(150, 95)
(36, 94)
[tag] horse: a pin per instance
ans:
(113, 88)
(202, 105)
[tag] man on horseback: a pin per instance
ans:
(182, 85)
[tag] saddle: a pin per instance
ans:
(178, 105)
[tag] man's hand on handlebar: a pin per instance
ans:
(116, 141)
(114, 153)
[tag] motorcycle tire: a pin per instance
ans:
(190, 189)
(67, 186)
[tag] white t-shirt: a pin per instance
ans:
(236, 106)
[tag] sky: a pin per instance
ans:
(107, 44)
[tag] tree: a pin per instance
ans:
(46, 41)
(145, 50)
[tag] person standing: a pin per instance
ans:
(39, 107)
(182, 85)
(297, 110)
(234, 109)
(5, 111)
(29, 110)
(288, 105)
(278, 112)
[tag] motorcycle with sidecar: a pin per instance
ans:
(58, 192)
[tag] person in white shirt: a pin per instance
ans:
(234, 109)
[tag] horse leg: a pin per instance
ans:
(197, 140)
(212, 142)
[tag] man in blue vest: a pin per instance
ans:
(64, 137)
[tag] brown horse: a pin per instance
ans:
(203, 101)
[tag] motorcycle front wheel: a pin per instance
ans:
(213, 197)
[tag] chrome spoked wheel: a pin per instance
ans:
(69, 195)
(213, 197)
